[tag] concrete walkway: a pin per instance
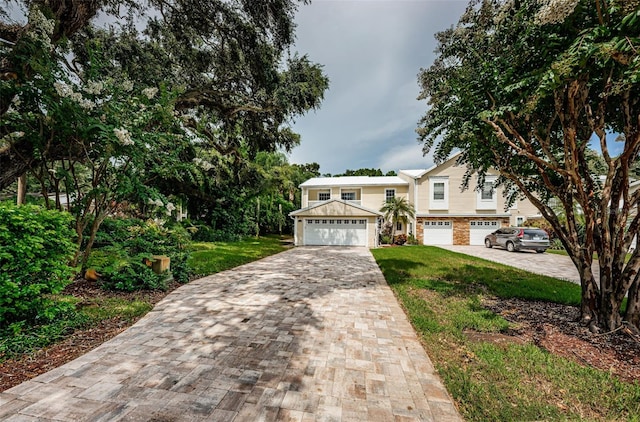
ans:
(550, 264)
(311, 334)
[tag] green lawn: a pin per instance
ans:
(442, 293)
(207, 258)
(211, 258)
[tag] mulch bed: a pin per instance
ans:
(556, 328)
(16, 371)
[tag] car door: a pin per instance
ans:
(502, 236)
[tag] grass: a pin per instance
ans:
(211, 258)
(22, 339)
(442, 291)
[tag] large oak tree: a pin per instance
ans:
(528, 87)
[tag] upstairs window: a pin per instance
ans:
(389, 194)
(439, 196)
(487, 198)
(438, 191)
(348, 196)
(324, 196)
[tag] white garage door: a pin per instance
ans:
(335, 232)
(479, 229)
(438, 233)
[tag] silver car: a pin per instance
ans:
(519, 238)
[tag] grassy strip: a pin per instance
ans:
(441, 292)
(22, 339)
(211, 258)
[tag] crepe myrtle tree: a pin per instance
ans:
(95, 142)
(239, 84)
(527, 87)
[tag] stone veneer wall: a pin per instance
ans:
(461, 227)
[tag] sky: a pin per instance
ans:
(372, 52)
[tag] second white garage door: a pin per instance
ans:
(335, 232)
(479, 229)
(438, 233)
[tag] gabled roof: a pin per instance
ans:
(354, 181)
(416, 174)
(331, 201)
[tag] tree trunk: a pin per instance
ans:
(589, 300)
(632, 314)
(22, 190)
(14, 162)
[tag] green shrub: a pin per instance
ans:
(127, 242)
(204, 233)
(400, 239)
(133, 275)
(36, 246)
(385, 239)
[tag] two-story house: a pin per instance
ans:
(345, 210)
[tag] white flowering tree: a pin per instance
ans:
(529, 87)
(239, 84)
(95, 142)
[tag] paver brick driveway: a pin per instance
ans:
(308, 334)
(550, 264)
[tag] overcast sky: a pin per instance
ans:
(372, 51)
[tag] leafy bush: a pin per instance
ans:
(385, 239)
(35, 248)
(400, 239)
(126, 243)
(204, 233)
(133, 275)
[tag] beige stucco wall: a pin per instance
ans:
(371, 197)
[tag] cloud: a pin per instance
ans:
(372, 52)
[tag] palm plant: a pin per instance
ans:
(396, 210)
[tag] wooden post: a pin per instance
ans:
(22, 189)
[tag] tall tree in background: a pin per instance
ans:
(523, 87)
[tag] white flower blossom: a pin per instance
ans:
(555, 11)
(16, 101)
(127, 85)
(150, 92)
(86, 104)
(170, 207)
(159, 203)
(205, 165)
(124, 137)
(16, 135)
(40, 28)
(94, 87)
(151, 201)
(63, 89)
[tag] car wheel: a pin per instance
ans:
(539, 250)
(510, 247)
(487, 243)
